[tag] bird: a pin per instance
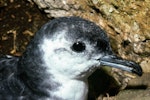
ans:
(58, 60)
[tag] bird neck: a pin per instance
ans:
(57, 88)
(69, 89)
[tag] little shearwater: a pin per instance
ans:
(58, 61)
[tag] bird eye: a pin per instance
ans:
(78, 46)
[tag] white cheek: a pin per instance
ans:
(56, 54)
(61, 60)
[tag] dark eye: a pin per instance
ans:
(78, 46)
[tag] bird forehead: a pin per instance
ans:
(75, 34)
(73, 30)
(58, 41)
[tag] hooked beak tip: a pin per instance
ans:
(114, 61)
(138, 71)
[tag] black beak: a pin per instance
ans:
(114, 61)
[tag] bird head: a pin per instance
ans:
(74, 48)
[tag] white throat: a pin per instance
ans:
(70, 90)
